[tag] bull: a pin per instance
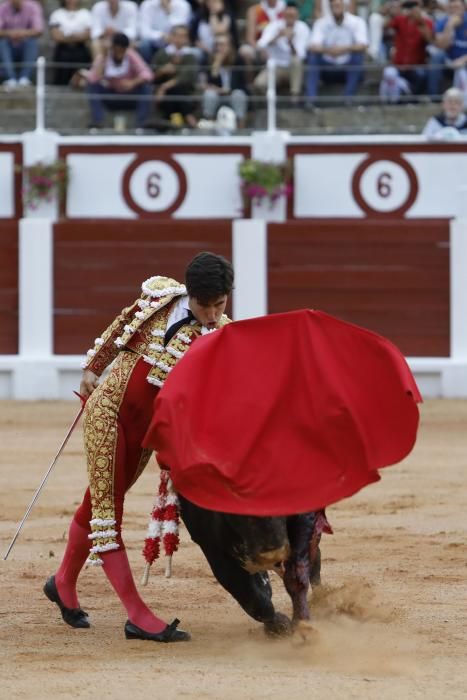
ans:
(241, 550)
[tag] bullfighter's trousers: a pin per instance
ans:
(116, 417)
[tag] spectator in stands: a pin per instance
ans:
(120, 71)
(212, 20)
(226, 82)
(393, 87)
(379, 32)
(175, 70)
(306, 10)
(21, 23)
(111, 17)
(450, 44)
(286, 41)
(70, 28)
(157, 19)
(338, 44)
(323, 7)
(413, 31)
(257, 18)
(452, 118)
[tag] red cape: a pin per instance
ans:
(283, 414)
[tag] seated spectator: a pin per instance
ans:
(70, 28)
(257, 18)
(451, 118)
(175, 70)
(450, 44)
(323, 7)
(286, 41)
(338, 44)
(157, 19)
(378, 32)
(111, 17)
(119, 72)
(21, 23)
(392, 86)
(226, 82)
(413, 31)
(211, 21)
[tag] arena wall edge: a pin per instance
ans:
(36, 373)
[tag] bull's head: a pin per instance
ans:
(259, 543)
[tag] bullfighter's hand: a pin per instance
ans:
(89, 382)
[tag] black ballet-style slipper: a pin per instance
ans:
(169, 634)
(75, 617)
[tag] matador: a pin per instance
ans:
(141, 346)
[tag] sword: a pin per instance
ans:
(46, 476)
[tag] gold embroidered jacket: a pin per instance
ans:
(147, 318)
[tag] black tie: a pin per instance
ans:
(170, 332)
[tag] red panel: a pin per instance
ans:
(391, 277)
(9, 288)
(100, 264)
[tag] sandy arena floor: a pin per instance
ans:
(390, 618)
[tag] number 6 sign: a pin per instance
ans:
(154, 187)
(383, 187)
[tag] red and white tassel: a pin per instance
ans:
(164, 525)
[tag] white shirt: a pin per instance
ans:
(71, 21)
(272, 13)
(154, 21)
(326, 7)
(326, 32)
(435, 130)
(180, 310)
(125, 21)
(280, 50)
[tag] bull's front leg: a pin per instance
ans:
(252, 591)
(299, 568)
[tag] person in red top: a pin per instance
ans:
(413, 30)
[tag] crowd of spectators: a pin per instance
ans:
(180, 54)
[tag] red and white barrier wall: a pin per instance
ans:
(375, 233)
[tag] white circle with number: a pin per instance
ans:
(154, 186)
(385, 186)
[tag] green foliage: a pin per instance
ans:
(260, 179)
(267, 175)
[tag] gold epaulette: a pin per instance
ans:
(156, 287)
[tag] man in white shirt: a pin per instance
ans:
(338, 44)
(286, 42)
(111, 17)
(156, 20)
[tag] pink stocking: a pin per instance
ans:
(75, 556)
(117, 570)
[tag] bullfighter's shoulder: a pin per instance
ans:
(158, 286)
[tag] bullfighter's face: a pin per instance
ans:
(208, 313)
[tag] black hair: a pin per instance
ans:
(292, 3)
(120, 39)
(209, 276)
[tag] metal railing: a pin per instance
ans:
(48, 98)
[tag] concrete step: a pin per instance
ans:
(67, 111)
